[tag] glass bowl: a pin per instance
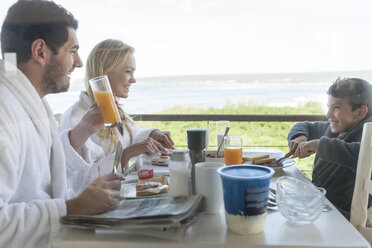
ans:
(301, 203)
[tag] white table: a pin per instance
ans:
(331, 229)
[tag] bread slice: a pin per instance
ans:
(163, 180)
(256, 156)
(264, 161)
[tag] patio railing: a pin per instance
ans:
(231, 118)
(242, 118)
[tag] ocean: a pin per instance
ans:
(151, 95)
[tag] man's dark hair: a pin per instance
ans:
(356, 91)
(28, 20)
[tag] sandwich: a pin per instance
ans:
(152, 186)
(255, 157)
(264, 161)
(162, 160)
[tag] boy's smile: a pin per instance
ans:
(341, 116)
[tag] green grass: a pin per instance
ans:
(255, 134)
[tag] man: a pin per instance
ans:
(33, 192)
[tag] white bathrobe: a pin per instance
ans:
(96, 155)
(32, 165)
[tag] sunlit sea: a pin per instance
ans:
(150, 95)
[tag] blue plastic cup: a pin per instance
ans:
(245, 194)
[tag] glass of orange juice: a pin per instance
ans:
(103, 95)
(233, 148)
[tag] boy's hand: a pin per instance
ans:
(293, 144)
(305, 149)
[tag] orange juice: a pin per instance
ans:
(106, 102)
(233, 155)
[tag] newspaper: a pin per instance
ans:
(156, 212)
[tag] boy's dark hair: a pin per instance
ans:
(356, 91)
(28, 20)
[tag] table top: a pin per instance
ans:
(331, 229)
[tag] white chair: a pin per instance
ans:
(360, 215)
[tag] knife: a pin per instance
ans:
(118, 154)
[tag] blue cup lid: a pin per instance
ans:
(244, 172)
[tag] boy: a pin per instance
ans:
(337, 141)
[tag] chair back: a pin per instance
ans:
(360, 214)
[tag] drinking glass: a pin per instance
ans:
(220, 131)
(233, 150)
(104, 98)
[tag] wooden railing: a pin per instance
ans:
(242, 118)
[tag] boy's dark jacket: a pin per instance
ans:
(336, 160)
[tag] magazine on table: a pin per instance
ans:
(155, 212)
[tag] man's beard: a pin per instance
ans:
(54, 77)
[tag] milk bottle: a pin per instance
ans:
(180, 173)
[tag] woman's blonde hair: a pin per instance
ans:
(107, 56)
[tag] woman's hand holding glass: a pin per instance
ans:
(91, 123)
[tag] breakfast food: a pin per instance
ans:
(152, 186)
(162, 160)
(145, 173)
(147, 185)
(214, 155)
(264, 161)
(255, 157)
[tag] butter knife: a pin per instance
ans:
(118, 153)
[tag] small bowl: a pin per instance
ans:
(301, 203)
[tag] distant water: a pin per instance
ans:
(149, 95)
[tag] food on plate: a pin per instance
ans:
(255, 157)
(166, 153)
(152, 186)
(162, 160)
(147, 185)
(220, 155)
(264, 161)
(145, 173)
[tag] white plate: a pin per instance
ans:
(286, 163)
(128, 190)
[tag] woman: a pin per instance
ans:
(114, 59)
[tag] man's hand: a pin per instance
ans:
(98, 197)
(293, 144)
(163, 137)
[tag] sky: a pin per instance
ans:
(187, 37)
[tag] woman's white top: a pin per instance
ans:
(96, 157)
